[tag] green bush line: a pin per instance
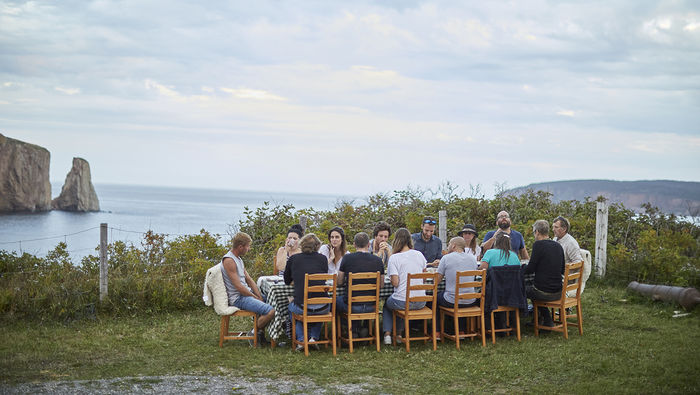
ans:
(164, 275)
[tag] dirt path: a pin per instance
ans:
(182, 384)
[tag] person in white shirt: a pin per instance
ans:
(469, 234)
(335, 249)
(572, 251)
(403, 260)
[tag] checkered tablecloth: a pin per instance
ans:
(278, 295)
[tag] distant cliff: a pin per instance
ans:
(678, 197)
(24, 176)
(78, 193)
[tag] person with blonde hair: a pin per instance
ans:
(403, 260)
(240, 287)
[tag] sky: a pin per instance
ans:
(338, 97)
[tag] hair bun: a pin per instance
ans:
(296, 228)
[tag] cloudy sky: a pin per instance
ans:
(355, 97)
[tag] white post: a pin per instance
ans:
(442, 231)
(103, 262)
(601, 238)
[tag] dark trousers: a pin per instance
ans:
(535, 294)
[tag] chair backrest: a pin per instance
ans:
(363, 288)
(426, 285)
(316, 290)
(572, 279)
(459, 285)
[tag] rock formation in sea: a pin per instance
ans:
(24, 176)
(77, 193)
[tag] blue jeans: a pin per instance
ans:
(314, 328)
(395, 304)
(342, 307)
(249, 303)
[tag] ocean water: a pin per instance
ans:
(130, 211)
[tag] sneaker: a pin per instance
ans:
(312, 343)
(438, 336)
(387, 340)
(299, 348)
(261, 338)
(251, 341)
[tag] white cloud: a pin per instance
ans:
(566, 113)
(692, 26)
(256, 94)
(67, 91)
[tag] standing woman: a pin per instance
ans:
(335, 249)
(469, 234)
(403, 260)
(291, 247)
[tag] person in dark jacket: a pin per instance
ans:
(547, 263)
(308, 261)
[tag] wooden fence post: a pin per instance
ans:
(103, 262)
(601, 238)
(442, 232)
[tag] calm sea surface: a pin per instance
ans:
(131, 210)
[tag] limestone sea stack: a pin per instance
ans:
(77, 193)
(24, 176)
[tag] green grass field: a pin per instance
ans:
(629, 345)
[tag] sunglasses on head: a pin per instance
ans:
(429, 221)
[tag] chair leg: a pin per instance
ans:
(223, 329)
(294, 330)
(407, 331)
(393, 329)
(376, 333)
(434, 335)
(579, 319)
(483, 331)
(517, 323)
(493, 330)
(255, 331)
(333, 334)
(442, 324)
(562, 315)
(350, 342)
(537, 327)
(456, 320)
(306, 337)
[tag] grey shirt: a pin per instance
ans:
(452, 263)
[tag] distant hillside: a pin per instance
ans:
(678, 197)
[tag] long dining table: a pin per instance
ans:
(279, 295)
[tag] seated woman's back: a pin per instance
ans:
(403, 263)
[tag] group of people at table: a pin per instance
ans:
(409, 253)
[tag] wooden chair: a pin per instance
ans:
(306, 318)
(508, 329)
(358, 282)
(474, 312)
(497, 276)
(224, 333)
(572, 282)
(424, 314)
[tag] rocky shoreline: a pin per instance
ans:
(25, 186)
